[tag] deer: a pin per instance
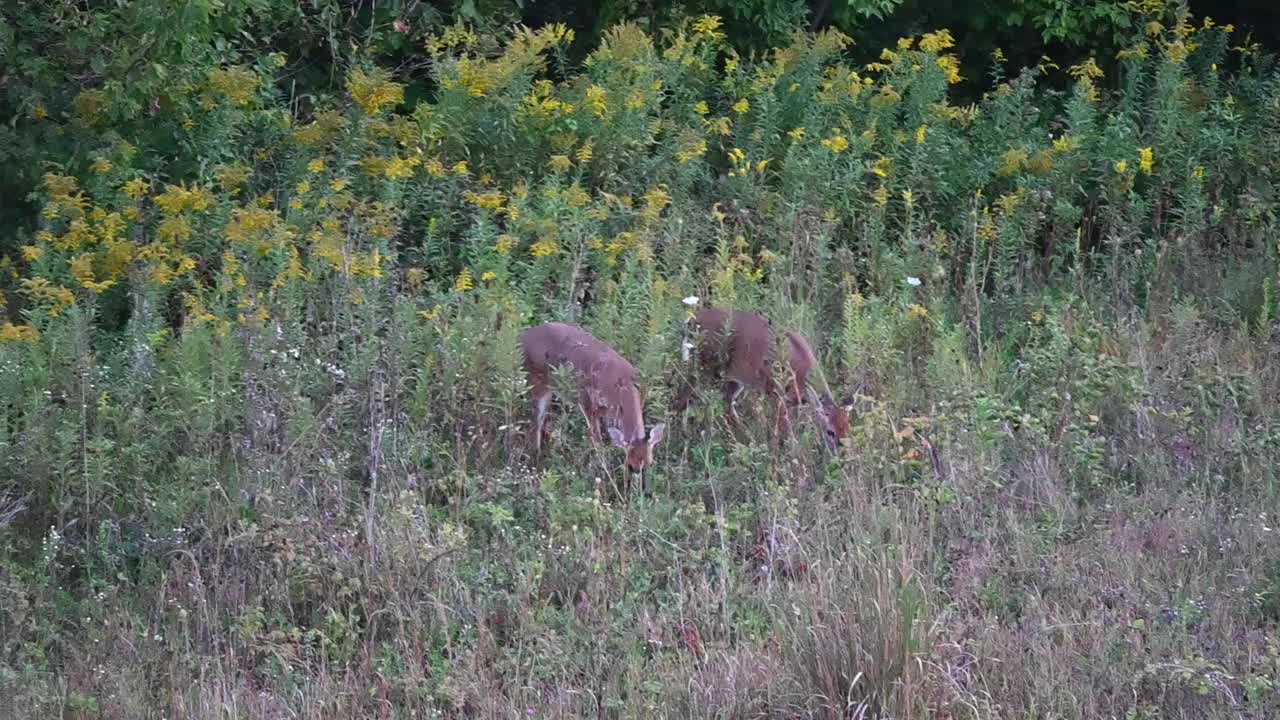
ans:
(608, 392)
(738, 349)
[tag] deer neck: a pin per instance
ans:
(628, 408)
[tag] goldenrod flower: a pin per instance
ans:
(708, 25)
(742, 106)
(316, 166)
(598, 100)
(11, 333)
(935, 42)
(701, 107)
(917, 311)
(1122, 166)
(796, 134)
(460, 168)
(504, 244)
(235, 83)
(101, 166)
(1146, 160)
(560, 163)
(836, 143)
(489, 276)
(374, 91)
(464, 281)
(920, 134)
(136, 188)
(544, 248)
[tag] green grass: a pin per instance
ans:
(279, 467)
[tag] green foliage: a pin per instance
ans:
(265, 417)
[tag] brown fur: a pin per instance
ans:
(737, 349)
(608, 393)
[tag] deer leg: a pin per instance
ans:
(541, 406)
(782, 419)
(591, 417)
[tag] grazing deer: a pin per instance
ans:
(608, 395)
(737, 349)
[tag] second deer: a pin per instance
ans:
(738, 349)
(608, 392)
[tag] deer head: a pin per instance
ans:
(640, 451)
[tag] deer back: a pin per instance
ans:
(737, 345)
(605, 379)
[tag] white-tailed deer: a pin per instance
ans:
(608, 394)
(737, 349)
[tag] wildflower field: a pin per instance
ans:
(263, 418)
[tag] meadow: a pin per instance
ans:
(265, 424)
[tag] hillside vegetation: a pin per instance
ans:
(264, 418)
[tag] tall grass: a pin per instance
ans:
(264, 432)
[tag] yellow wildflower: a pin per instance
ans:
(232, 177)
(707, 25)
(701, 107)
(560, 163)
(18, 333)
(374, 91)
(136, 188)
(460, 168)
(338, 185)
(796, 134)
(935, 42)
(880, 196)
(585, 153)
(836, 143)
(1122, 166)
(881, 166)
(504, 244)
(1146, 160)
(101, 166)
(175, 229)
(544, 248)
(489, 201)
(917, 311)
(998, 56)
(598, 100)
(32, 253)
(1198, 172)
(464, 281)
(742, 106)
(489, 276)
(235, 83)
(399, 168)
(316, 166)
(920, 134)
(951, 66)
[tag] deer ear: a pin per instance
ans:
(655, 434)
(616, 436)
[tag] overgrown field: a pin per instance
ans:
(264, 418)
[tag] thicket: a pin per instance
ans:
(264, 413)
